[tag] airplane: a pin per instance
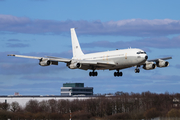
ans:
(111, 60)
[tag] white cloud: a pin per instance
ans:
(130, 27)
(152, 42)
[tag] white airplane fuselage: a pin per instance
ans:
(123, 58)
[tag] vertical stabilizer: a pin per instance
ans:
(75, 44)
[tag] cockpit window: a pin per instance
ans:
(141, 52)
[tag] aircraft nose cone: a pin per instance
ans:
(146, 57)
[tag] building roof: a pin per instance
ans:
(73, 85)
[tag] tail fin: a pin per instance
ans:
(75, 44)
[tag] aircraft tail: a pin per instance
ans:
(75, 44)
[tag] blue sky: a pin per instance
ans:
(42, 27)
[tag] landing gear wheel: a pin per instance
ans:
(137, 70)
(115, 74)
(118, 74)
(90, 74)
(93, 74)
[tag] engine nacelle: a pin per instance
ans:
(162, 63)
(45, 63)
(149, 66)
(74, 65)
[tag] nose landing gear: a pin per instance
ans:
(137, 70)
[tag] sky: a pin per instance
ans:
(42, 28)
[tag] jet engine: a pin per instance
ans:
(149, 66)
(74, 65)
(162, 63)
(45, 63)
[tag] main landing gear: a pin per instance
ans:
(93, 73)
(137, 70)
(118, 73)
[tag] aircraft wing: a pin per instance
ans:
(57, 59)
(156, 60)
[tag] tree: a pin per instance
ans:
(4, 106)
(52, 105)
(174, 113)
(63, 106)
(43, 106)
(4, 115)
(32, 106)
(15, 107)
(76, 105)
(119, 116)
(151, 113)
(81, 115)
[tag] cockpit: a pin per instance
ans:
(140, 52)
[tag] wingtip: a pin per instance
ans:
(11, 55)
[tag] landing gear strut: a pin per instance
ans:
(118, 73)
(93, 73)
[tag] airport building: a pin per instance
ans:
(23, 99)
(69, 91)
(76, 89)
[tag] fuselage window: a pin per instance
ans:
(141, 52)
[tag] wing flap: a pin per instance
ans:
(66, 60)
(99, 63)
(106, 63)
(60, 59)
